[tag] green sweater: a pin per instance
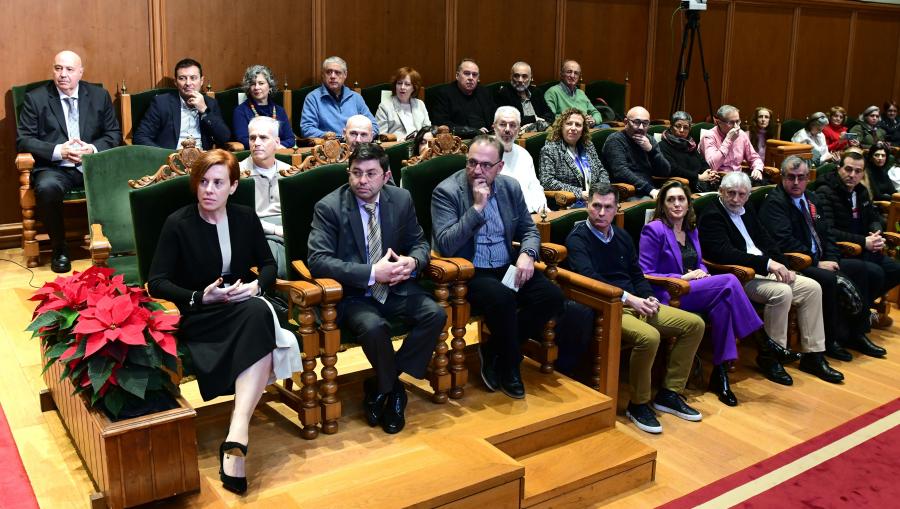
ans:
(559, 100)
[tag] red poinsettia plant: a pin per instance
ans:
(116, 343)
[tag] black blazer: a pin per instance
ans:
(161, 124)
(42, 122)
(464, 115)
(721, 242)
(838, 211)
(507, 96)
(337, 244)
(787, 226)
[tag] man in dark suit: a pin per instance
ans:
(366, 236)
(59, 123)
(462, 105)
(171, 118)
(794, 220)
(477, 214)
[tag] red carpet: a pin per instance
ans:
(865, 475)
(15, 488)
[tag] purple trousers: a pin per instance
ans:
(729, 311)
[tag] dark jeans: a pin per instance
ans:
(512, 317)
(50, 186)
(891, 270)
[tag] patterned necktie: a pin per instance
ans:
(379, 290)
(72, 118)
(815, 236)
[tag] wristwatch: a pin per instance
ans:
(531, 252)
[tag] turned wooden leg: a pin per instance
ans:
(549, 350)
(309, 413)
(330, 342)
(459, 374)
(440, 377)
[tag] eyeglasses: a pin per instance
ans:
(681, 127)
(482, 165)
(639, 123)
(730, 122)
(370, 175)
(796, 178)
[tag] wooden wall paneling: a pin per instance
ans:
(381, 36)
(669, 31)
(112, 39)
(227, 37)
(533, 39)
(759, 58)
(609, 40)
(873, 63)
(822, 42)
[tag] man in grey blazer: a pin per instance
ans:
(366, 236)
(477, 214)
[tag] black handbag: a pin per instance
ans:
(848, 295)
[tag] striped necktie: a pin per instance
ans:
(379, 290)
(72, 118)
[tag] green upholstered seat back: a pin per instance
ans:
(140, 102)
(493, 88)
(421, 179)
(655, 129)
(561, 226)
(789, 127)
(372, 95)
(106, 176)
(244, 154)
(298, 95)
(398, 153)
(850, 122)
(228, 101)
(703, 201)
(634, 219)
(534, 144)
(299, 195)
(543, 87)
(18, 96)
(611, 92)
(699, 126)
(758, 195)
(823, 170)
(152, 205)
(598, 138)
(430, 93)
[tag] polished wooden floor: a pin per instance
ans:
(769, 419)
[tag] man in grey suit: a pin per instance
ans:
(60, 122)
(366, 236)
(477, 214)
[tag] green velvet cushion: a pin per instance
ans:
(298, 95)
(299, 195)
(656, 129)
(106, 176)
(598, 138)
(611, 92)
(634, 219)
(533, 146)
(824, 170)
(372, 95)
(397, 154)
(421, 179)
(543, 87)
(228, 101)
(758, 195)
(150, 206)
(18, 96)
(140, 102)
(699, 126)
(562, 226)
(789, 127)
(704, 201)
(240, 155)
(126, 265)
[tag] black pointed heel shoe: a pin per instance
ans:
(234, 484)
(719, 384)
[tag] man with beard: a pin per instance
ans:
(525, 98)
(633, 157)
(517, 162)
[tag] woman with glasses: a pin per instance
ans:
(670, 247)
(401, 113)
(811, 134)
(680, 150)
(259, 85)
(760, 131)
(569, 161)
(836, 132)
(867, 129)
(890, 123)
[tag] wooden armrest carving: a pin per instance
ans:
(885, 206)
(584, 283)
(441, 271)
(234, 146)
(614, 123)
(99, 246)
(465, 269)
(771, 171)
(331, 289)
(562, 198)
(743, 274)
(387, 137)
(625, 190)
(553, 254)
(849, 248)
(24, 161)
(891, 238)
(797, 261)
(676, 287)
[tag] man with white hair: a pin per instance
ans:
(726, 146)
(264, 170)
(634, 157)
(359, 129)
(732, 234)
(517, 162)
(327, 108)
(525, 98)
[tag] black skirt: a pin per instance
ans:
(224, 340)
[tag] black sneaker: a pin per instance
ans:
(643, 417)
(673, 403)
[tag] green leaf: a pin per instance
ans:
(134, 380)
(153, 306)
(69, 317)
(44, 319)
(99, 369)
(79, 352)
(114, 400)
(144, 356)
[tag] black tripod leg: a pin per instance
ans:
(681, 74)
(705, 74)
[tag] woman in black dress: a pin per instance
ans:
(202, 264)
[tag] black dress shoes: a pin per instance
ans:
(373, 401)
(836, 351)
(393, 419)
(863, 345)
(719, 384)
(233, 484)
(814, 363)
(782, 354)
(488, 368)
(511, 383)
(60, 263)
(773, 370)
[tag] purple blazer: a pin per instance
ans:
(660, 254)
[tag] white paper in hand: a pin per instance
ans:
(509, 279)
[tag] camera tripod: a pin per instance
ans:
(691, 32)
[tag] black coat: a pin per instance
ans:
(463, 114)
(685, 164)
(836, 207)
(880, 182)
(507, 96)
(161, 125)
(723, 243)
(787, 226)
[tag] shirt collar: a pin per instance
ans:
(566, 89)
(74, 94)
(362, 204)
(265, 172)
(597, 233)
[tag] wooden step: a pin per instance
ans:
(586, 470)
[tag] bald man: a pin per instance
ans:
(634, 157)
(358, 130)
(59, 123)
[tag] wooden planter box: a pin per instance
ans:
(132, 461)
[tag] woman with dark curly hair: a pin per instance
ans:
(259, 85)
(569, 161)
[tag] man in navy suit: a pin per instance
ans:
(172, 118)
(366, 236)
(59, 123)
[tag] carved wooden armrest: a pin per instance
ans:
(387, 137)
(797, 261)
(331, 289)
(884, 206)
(849, 248)
(891, 238)
(771, 172)
(99, 246)
(675, 286)
(585, 284)
(743, 274)
(441, 271)
(553, 254)
(24, 162)
(233, 146)
(625, 190)
(562, 198)
(895, 197)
